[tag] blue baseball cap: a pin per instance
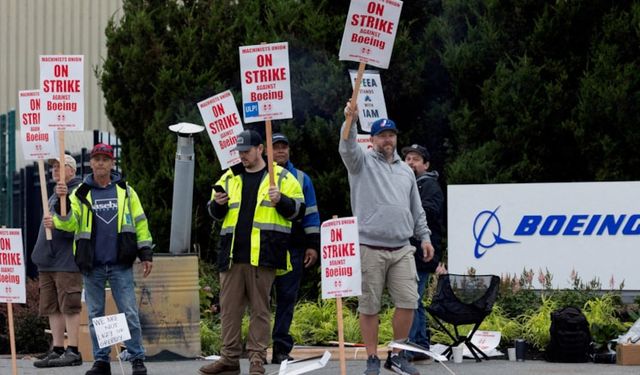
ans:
(383, 124)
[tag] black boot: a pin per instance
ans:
(99, 368)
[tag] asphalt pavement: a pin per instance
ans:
(353, 367)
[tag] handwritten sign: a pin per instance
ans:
(12, 269)
(371, 104)
(340, 258)
(370, 31)
(111, 329)
(38, 142)
(266, 82)
(222, 121)
(62, 92)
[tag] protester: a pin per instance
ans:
(305, 242)
(385, 198)
(254, 236)
(60, 281)
(111, 230)
(418, 159)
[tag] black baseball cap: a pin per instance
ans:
(248, 139)
(279, 137)
(420, 150)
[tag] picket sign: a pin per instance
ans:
(12, 280)
(266, 88)
(368, 37)
(37, 142)
(340, 268)
(62, 100)
(111, 330)
(304, 365)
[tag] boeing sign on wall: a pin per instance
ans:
(592, 228)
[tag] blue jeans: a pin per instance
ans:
(120, 279)
(419, 332)
(286, 288)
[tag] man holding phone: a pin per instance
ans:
(254, 236)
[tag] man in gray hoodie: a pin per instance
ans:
(60, 281)
(386, 200)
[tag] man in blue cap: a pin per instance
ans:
(386, 200)
(305, 242)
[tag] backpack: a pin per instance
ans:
(570, 337)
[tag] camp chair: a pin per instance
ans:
(460, 300)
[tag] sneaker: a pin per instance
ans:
(138, 368)
(219, 368)
(256, 368)
(373, 365)
(68, 358)
(99, 368)
(278, 358)
(400, 365)
(45, 361)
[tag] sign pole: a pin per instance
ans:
(118, 355)
(12, 339)
(272, 181)
(63, 170)
(354, 99)
(43, 195)
(343, 361)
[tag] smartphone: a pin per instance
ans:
(218, 189)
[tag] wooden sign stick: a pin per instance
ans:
(354, 100)
(341, 353)
(12, 339)
(272, 181)
(63, 170)
(43, 195)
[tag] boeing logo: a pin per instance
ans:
(487, 228)
(487, 232)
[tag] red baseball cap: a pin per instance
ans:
(102, 149)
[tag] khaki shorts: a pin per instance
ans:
(396, 269)
(60, 293)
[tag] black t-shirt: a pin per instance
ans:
(242, 242)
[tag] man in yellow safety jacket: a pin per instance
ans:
(254, 240)
(111, 230)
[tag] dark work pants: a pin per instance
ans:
(286, 289)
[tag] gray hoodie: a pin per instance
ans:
(384, 196)
(55, 255)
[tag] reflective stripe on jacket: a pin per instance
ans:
(270, 231)
(134, 237)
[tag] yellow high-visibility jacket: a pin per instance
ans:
(134, 238)
(271, 230)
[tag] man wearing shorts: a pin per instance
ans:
(60, 281)
(385, 198)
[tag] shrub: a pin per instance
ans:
(29, 326)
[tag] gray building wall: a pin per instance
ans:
(30, 28)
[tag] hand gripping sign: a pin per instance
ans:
(368, 38)
(223, 124)
(266, 83)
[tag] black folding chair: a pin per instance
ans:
(461, 300)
